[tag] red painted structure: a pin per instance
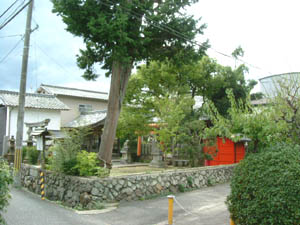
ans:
(228, 152)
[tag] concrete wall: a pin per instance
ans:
(78, 191)
(34, 115)
(74, 102)
(3, 111)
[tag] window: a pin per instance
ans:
(85, 108)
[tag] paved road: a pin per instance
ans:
(203, 207)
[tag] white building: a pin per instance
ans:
(38, 107)
(270, 84)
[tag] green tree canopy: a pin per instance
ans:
(203, 78)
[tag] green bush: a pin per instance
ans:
(24, 153)
(64, 152)
(88, 164)
(181, 188)
(5, 180)
(265, 188)
(69, 167)
(32, 154)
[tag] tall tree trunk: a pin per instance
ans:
(118, 85)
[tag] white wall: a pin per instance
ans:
(34, 115)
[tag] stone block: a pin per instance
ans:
(95, 191)
(33, 172)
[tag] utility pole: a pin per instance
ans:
(22, 92)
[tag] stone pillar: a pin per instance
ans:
(126, 156)
(11, 152)
(157, 155)
(29, 141)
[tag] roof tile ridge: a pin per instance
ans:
(77, 89)
(27, 94)
(279, 74)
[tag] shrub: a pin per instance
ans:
(69, 167)
(102, 172)
(88, 165)
(5, 180)
(265, 188)
(24, 153)
(190, 181)
(181, 188)
(64, 152)
(32, 154)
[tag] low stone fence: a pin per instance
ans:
(84, 192)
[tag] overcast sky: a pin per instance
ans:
(267, 30)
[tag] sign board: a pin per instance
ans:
(39, 143)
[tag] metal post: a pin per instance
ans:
(42, 183)
(170, 209)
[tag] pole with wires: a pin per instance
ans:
(20, 121)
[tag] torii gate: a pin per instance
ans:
(42, 124)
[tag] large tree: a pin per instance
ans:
(120, 33)
(204, 78)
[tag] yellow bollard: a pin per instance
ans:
(42, 180)
(231, 222)
(170, 211)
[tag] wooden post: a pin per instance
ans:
(43, 151)
(139, 146)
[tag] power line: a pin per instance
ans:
(53, 60)
(8, 8)
(5, 57)
(15, 14)
(15, 10)
(176, 33)
(14, 35)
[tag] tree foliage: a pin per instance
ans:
(204, 78)
(170, 112)
(286, 103)
(5, 180)
(128, 30)
(259, 124)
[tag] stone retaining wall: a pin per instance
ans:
(84, 192)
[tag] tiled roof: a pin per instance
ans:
(38, 101)
(56, 90)
(88, 119)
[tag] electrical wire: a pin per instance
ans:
(53, 60)
(14, 35)
(5, 57)
(5, 23)
(15, 10)
(8, 8)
